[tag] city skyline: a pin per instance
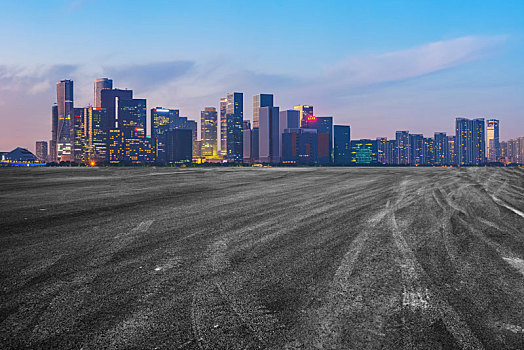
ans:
(364, 64)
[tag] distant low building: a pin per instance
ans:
(20, 157)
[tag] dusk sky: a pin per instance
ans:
(378, 66)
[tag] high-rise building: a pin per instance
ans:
(41, 150)
(342, 149)
(247, 136)
(364, 151)
(97, 135)
(288, 119)
(323, 125)
(64, 98)
(492, 138)
(269, 140)
(452, 150)
(300, 146)
(208, 131)
(179, 146)
(234, 123)
(223, 126)
(428, 151)
(162, 120)
(193, 126)
(54, 134)
(260, 100)
(101, 84)
(416, 142)
(441, 153)
(79, 139)
(382, 149)
(131, 113)
(403, 148)
(108, 100)
(305, 113)
(471, 142)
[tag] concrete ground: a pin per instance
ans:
(273, 258)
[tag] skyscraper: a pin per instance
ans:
(441, 152)
(108, 100)
(305, 112)
(470, 147)
(269, 140)
(79, 139)
(260, 100)
(131, 113)
(179, 146)
(492, 138)
(64, 99)
(416, 142)
(288, 119)
(41, 150)
(162, 120)
(234, 122)
(101, 84)
(403, 148)
(223, 126)
(342, 149)
(323, 125)
(208, 131)
(452, 150)
(54, 134)
(97, 135)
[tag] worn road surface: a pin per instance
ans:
(275, 258)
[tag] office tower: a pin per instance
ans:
(452, 150)
(504, 151)
(470, 141)
(208, 131)
(79, 139)
(416, 142)
(492, 138)
(259, 101)
(300, 146)
(234, 122)
(162, 120)
(138, 149)
(223, 126)
(342, 149)
(305, 112)
(364, 151)
(131, 113)
(269, 141)
(101, 84)
(441, 149)
(288, 119)
(324, 127)
(41, 150)
(97, 136)
(64, 98)
(403, 148)
(180, 146)
(108, 100)
(247, 136)
(54, 134)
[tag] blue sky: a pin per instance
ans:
(379, 66)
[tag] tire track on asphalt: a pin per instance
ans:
(421, 298)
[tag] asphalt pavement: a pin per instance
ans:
(267, 258)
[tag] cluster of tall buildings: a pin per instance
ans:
(113, 131)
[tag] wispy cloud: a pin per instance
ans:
(414, 62)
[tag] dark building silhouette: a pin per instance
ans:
(342, 145)
(101, 84)
(108, 99)
(179, 146)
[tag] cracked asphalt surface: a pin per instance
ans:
(273, 258)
